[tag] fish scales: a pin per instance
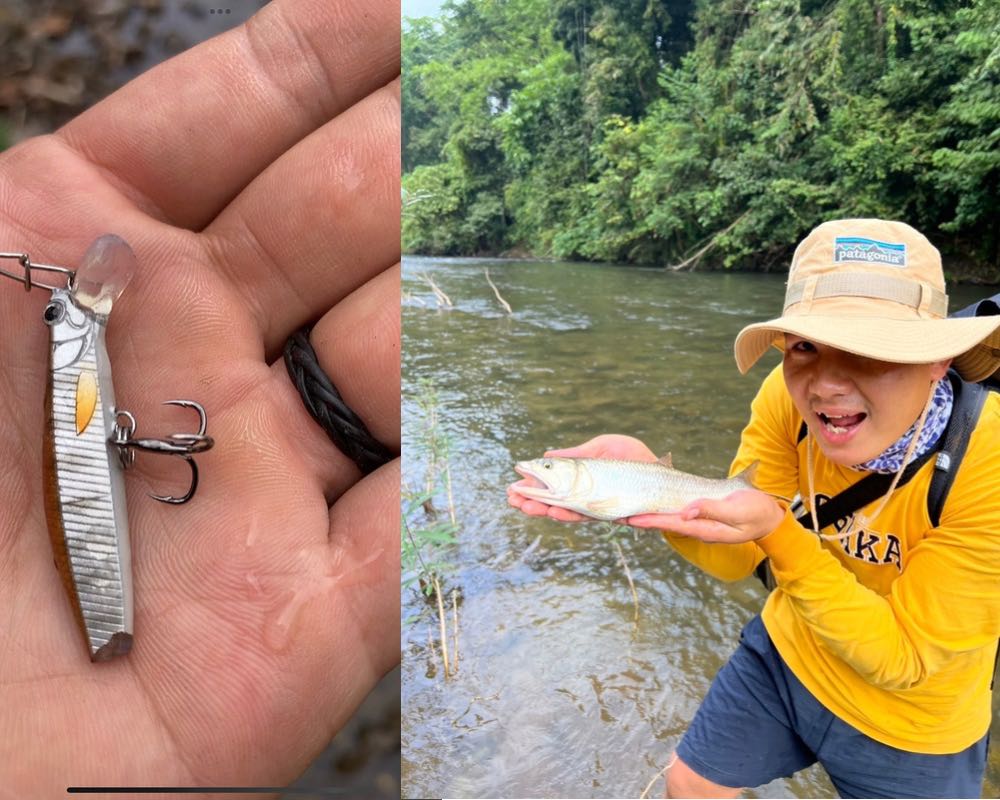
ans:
(611, 489)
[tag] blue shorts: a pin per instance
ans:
(758, 722)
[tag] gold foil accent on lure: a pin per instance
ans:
(86, 400)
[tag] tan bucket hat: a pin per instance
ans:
(874, 288)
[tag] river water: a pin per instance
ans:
(566, 686)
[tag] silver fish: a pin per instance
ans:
(608, 489)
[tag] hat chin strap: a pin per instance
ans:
(858, 519)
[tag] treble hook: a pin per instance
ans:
(178, 444)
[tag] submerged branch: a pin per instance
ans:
(416, 547)
(645, 792)
(451, 496)
(692, 262)
(442, 298)
(496, 291)
(454, 607)
(444, 630)
(628, 575)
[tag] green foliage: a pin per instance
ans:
(425, 126)
(421, 548)
(704, 134)
(427, 520)
(966, 162)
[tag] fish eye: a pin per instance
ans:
(54, 312)
(547, 464)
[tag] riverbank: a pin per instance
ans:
(957, 270)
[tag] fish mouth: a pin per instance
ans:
(537, 487)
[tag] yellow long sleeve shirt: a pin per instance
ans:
(895, 628)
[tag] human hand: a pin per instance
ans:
(609, 445)
(743, 516)
(256, 177)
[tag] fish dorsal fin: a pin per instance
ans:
(748, 473)
(667, 460)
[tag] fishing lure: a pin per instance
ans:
(90, 442)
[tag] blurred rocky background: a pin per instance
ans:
(57, 58)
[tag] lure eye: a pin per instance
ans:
(54, 313)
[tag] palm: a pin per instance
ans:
(265, 608)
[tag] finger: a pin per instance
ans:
(718, 510)
(341, 186)
(357, 345)
(530, 507)
(364, 554)
(534, 508)
(663, 521)
(184, 138)
(708, 530)
(564, 514)
(515, 500)
(333, 470)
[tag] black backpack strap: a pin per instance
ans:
(858, 495)
(969, 399)
(765, 575)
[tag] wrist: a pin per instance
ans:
(782, 536)
(771, 521)
(778, 516)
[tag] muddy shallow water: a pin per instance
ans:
(566, 686)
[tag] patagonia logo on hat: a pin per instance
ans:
(868, 251)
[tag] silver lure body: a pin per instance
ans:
(85, 485)
(609, 489)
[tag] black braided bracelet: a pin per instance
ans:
(327, 407)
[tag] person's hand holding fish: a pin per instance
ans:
(742, 516)
(611, 446)
(615, 477)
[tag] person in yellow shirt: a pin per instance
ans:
(875, 652)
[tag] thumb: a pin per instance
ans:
(705, 509)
